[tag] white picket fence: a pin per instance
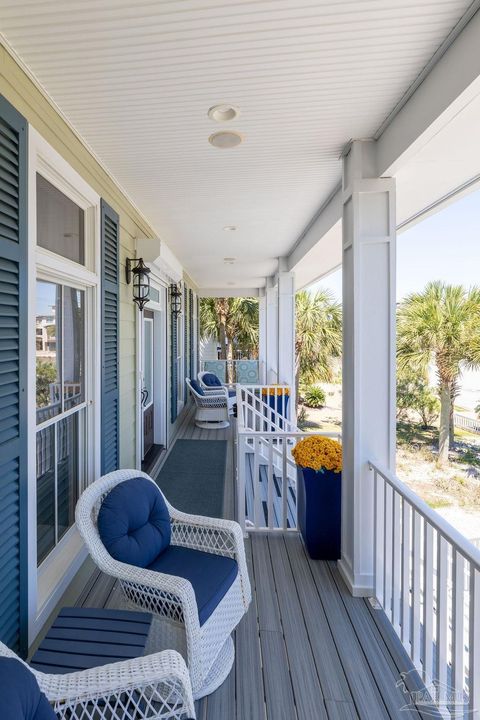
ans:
(466, 423)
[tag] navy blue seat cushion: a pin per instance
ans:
(211, 575)
(211, 380)
(197, 387)
(20, 696)
(134, 522)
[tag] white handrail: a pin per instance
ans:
(455, 538)
(427, 579)
(266, 469)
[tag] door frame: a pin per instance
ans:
(151, 400)
(160, 398)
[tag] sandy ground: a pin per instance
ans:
(454, 492)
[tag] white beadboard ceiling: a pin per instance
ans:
(136, 80)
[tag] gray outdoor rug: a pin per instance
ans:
(193, 476)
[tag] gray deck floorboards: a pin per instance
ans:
(307, 649)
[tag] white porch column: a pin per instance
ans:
(369, 256)
(272, 331)
(262, 335)
(286, 332)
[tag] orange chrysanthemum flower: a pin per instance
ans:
(318, 452)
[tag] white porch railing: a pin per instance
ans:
(266, 470)
(427, 579)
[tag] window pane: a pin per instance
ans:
(60, 223)
(73, 347)
(45, 492)
(48, 350)
(67, 470)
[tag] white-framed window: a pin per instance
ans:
(64, 362)
(61, 404)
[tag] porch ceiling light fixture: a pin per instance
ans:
(141, 280)
(223, 113)
(229, 260)
(225, 139)
(230, 228)
(176, 299)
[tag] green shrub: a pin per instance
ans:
(314, 397)
(414, 394)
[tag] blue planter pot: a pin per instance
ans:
(279, 403)
(319, 507)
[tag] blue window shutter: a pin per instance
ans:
(192, 372)
(186, 337)
(173, 366)
(110, 229)
(14, 330)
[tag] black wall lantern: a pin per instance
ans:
(176, 299)
(141, 281)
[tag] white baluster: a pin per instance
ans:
(458, 622)
(428, 603)
(474, 644)
(442, 614)
(396, 561)
(406, 573)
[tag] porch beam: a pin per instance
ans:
(229, 292)
(450, 82)
(368, 425)
(323, 221)
(453, 81)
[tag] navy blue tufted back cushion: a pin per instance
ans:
(20, 696)
(211, 380)
(134, 523)
(197, 387)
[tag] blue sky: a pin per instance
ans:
(445, 246)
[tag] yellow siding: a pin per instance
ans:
(21, 92)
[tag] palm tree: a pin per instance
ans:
(441, 325)
(232, 322)
(318, 336)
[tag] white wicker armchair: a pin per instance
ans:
(208, 648)
(153, 687)
(214, 407)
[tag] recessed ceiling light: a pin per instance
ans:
(230, 283)
(225, 139)
(229, 260)
(230, 228)
(223, 113)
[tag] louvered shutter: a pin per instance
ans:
(186, 337)
(173, 366)
(192, 372)
(110, 229)
(13, 378)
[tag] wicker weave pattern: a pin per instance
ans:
(154, 687)
(171, 597)
(214, 407)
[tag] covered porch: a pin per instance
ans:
(165, 152)
(306, 649)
